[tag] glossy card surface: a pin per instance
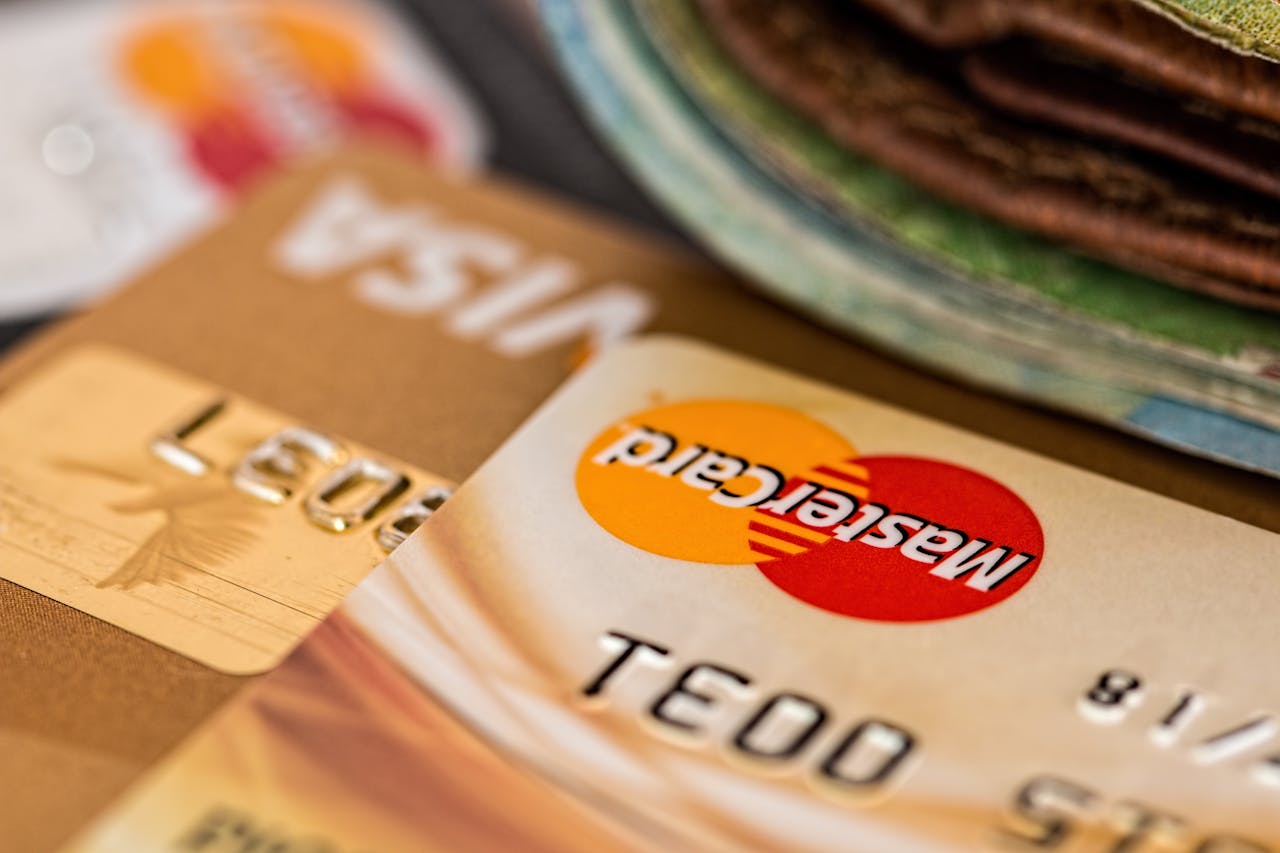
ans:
(725, 606)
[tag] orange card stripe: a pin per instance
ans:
(783, 535)
(765, 550)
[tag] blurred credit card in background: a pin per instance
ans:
(125, 126)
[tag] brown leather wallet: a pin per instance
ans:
(1121, 33)
(1100, 124)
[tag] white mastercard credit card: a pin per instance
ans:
(730, 608)
(125, 125)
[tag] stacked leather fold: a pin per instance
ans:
(1098, 123)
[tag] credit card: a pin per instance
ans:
(418, 318)
(127, 126)
(186, 515)
(730, 608)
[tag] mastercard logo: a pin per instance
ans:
(884, 538)
(250, 84)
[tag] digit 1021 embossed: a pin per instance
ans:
(349, 492)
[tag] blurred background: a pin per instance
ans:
(1052, 207)
(496, 50)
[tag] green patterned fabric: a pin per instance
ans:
(1246, 26)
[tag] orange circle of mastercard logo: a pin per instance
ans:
(888, 538)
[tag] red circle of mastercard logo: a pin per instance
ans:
(886, 538)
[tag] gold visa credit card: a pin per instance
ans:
(724, 607)
(398, 317)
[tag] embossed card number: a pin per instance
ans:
(198, 520)
(352, 492)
